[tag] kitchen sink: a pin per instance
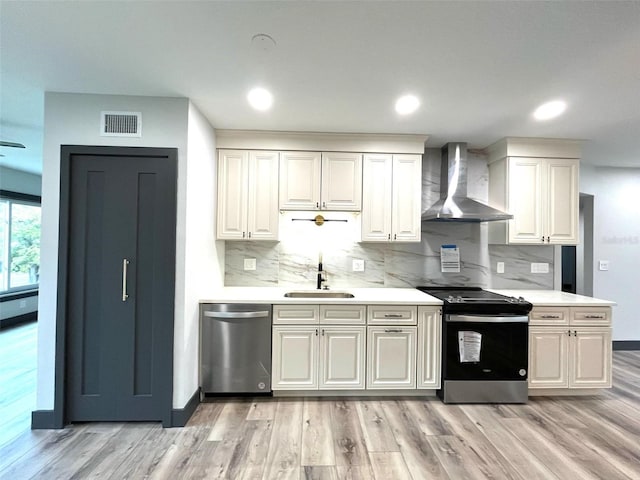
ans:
(318, 294)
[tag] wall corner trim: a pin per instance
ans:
(43, 420)
(180, 416)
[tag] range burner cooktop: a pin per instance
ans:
(476, 300)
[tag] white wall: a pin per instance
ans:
(616, 234)
(75, 119)
(19, 181)
(203, 255)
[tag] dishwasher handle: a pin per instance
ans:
(259, 314)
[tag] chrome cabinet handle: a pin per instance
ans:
(317, 204)
(125, 295)
(249, 234)
(594, 316)
(550, 316)
(392, 330)
(392, 315)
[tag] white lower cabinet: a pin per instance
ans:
(294, 358)
(308, 358)
(391, 357)
(342, 357)
(429, 347)
(576, 355)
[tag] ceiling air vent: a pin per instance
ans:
(121, 124)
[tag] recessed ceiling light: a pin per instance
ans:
(260, 99)
(550, 110)
(407, 104)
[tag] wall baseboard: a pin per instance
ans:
(43, 420)
(180, 416)
(626, 344)
(13, 321)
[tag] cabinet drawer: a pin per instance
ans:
(343, 314)
(549, 316)
(392, 315)
(296, 314)
(600, 316)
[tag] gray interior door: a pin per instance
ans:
(120, 285)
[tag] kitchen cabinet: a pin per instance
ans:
(392, 196)
(391, 357)
(329, 355)
(391, 346)
(570, 348)
(320, 181)
(542, 194)
(429, 347)
(247, 195)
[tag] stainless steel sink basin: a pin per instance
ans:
(318, 294)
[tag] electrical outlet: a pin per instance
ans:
(357, 265)
(500, 267)
(539, 268)
(249, 263)
(603, 265)
(22, 304)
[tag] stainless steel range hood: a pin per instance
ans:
(454, 205)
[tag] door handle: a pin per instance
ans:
(125, 295)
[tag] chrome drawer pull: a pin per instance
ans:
(550, 316)
(392, 330)
(393, 315)
(594, 316)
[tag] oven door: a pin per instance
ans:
(481, 347)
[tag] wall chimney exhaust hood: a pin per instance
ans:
(454, 205)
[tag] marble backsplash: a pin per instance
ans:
(293, 261)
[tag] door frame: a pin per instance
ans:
(66, 153)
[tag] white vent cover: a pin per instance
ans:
(121, 124)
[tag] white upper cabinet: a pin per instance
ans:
(392, 196)
(315, 181)
(300, 180)
(541, 192)
(341, 181)
(247, 195)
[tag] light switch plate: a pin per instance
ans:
(357, 265)
(500, 267)
(249, 263)
(539, 268)
(603, 265)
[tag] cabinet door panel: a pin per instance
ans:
(549, 316)
(342, 358)
(263, 212)
(548, 356)
(590, 358)
(376, 198)
(407, 198)
(295, 314)
(343, 314)
(341, 181)
(295, 358)
(300, 180)
(594, 316)
(562, 201)
(391, 357)
(232, 198)
(429, 342)
(525, 200)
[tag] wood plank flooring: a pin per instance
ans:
(594, 437)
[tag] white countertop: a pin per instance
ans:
(381, 296)
(555, 298)
(369, 296)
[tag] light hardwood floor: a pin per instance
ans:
(595, 437)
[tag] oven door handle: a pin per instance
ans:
(487, 319)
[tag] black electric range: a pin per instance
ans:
(475, 300)
(485, 345)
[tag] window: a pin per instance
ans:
(19, 241)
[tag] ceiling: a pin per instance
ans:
(479, 68)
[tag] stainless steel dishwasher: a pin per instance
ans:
(235, 348)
